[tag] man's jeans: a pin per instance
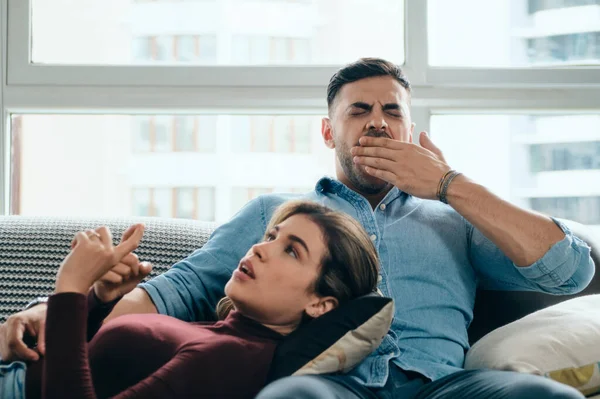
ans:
(12, 380)
(471, 384)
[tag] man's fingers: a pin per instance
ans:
(132, 261)
(367, 141)
(378, 152)
(41, 343)
(122, 270)
(18, 347)
(131, 243)
(111, 278)
(428, 144)
(381, 174)
(376, 163)
(145, 269)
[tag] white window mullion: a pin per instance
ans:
(4, 136)
(415, 28)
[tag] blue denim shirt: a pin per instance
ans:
(432, 261)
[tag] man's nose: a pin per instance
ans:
(377, 122)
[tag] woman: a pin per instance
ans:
(311, 260)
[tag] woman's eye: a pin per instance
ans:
(270, 237)
(291, 252)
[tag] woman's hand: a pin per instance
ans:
(123, 277)
(93, 256)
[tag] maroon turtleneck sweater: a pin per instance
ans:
(148, 355)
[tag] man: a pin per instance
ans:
(434, 255)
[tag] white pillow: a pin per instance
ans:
(561, 342)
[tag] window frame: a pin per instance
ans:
(31, 88)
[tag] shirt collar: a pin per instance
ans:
(328, 184)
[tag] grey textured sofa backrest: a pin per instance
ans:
(31, 248)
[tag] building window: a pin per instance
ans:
(542, 5)
(562, 48)
(185, 203)
(206, 131)
(185, 133)
(164, 133)
(263, 50)
(279, 134)
(585, 210)
(196, 49)
(565, 156)
(180, 202)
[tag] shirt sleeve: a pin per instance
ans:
(566, 268)
(191, 288)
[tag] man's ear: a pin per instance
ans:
(327, 132)
(412, 130)
(320, 306)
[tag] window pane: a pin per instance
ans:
(185, 133)
(186, 203)
(517, 33)
(207, 137)
(141, 201)
(162, 202)
(528, 159)
(211, 32)
(118, 165)
(205, 205)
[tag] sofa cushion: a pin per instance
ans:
(336, 341)
(560, 342)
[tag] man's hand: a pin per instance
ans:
(32, 321)
(413, 169)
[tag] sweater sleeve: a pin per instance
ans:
(97, 312)
(66, 368)
(221, 368)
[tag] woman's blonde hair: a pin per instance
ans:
(350, 265)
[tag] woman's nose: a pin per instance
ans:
(260, 250)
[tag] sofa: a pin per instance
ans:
(31, 248)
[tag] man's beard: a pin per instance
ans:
(360, 179)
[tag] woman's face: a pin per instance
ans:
(273, 283)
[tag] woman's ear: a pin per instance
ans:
(321, 306)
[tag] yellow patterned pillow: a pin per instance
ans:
(561, 342)
(586, 379)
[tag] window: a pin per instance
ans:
(499, 33)
(514, 82)
(117, 165)
(178, 202)
(577, 47)
(528, 159)
(165, 133)
(565, 156)
(185, 203)
(185, 133)
(182, 32)
(584, 210)
(279, 134)
(542, 5)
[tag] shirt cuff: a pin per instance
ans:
(559, 263)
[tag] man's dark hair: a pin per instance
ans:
(362, 69)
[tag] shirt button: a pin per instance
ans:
(373, 237)
(382, 207)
